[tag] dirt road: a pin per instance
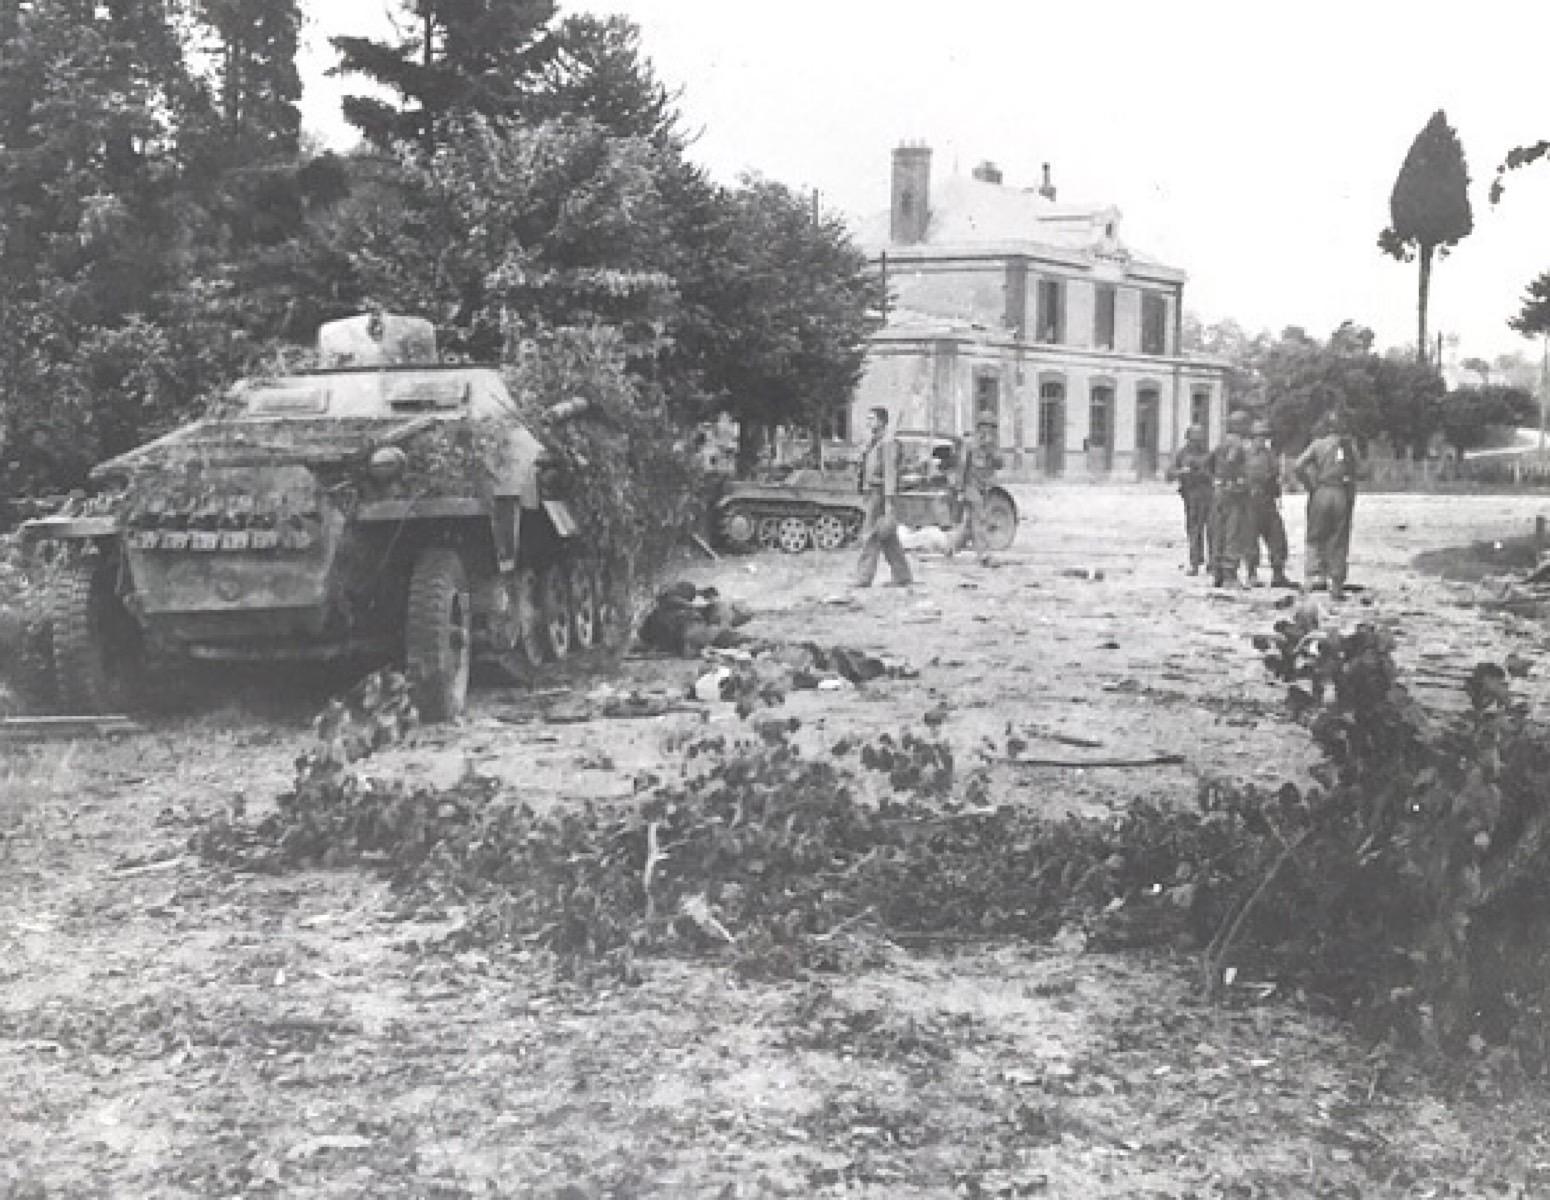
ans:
(168, 1029)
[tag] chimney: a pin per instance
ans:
(1047, 189)
(911, 193)
(988, 172)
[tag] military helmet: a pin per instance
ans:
(1195, 433)
(1238, 421)
(1260, 428)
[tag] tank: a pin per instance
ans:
(823, 510)
(383, 508)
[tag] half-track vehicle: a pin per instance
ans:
(382, 507)
(823, 509)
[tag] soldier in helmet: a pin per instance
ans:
(1264, 476)
(1230, 501)
(975, 471)
(1327, 469)
(1191, 470)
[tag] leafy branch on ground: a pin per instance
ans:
(1403, 886)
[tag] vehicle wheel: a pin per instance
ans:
(613, 616)
(739, 528)
(530, 616)
(583, 605)
(438, 633)
(554, 606)
(769, 533)
(999, 520)
(36, 676)
(828, 532)
(98, 653)
(793, 536)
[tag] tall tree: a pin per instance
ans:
(451, 59)
(257, 84)
(1533, 320)
(104, 332)
(1429, 207)
(598, 71)
(797, 301)
(1467, 416)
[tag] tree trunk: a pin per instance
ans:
(1426, 287)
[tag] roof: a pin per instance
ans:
(973, 214)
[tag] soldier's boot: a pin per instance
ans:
(1251, 577)
(1281, 580)
(1194, 568)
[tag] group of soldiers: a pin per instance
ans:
(1232, 503)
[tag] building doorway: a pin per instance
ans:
(1148, 432)
(987, 403)
(1100, 430)
(1200, 413)
(1052, 427)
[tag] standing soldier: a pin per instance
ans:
(1327, 469)
(879, 482)
(1191, 469)
(1264, 475)
(977, 466)
(1230, 500)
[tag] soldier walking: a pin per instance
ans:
(1230, 517)
(879, 483)
(1327, 469)
(976, 470)
(1191, 469)
(1264, 477)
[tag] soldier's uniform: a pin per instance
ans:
(1328, 469)
(878, 479)
(1230, 516)
(976, 471)
(1192, 469)
(1263, 470)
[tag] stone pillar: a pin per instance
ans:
(1124, 419)
(1127, 320)
(1081, 299)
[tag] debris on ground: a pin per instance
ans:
(607, 703)
(759, 674)
(65, 728)
(930, 540)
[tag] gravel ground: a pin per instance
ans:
(168, 1029)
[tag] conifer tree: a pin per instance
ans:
(450, 59)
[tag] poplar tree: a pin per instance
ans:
(1429, 207)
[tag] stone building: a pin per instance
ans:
(1008, 305)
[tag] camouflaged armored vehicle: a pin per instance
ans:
(823, 509)
(381, 508)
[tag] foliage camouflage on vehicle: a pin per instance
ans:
(379, 510)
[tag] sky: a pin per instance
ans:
(1254, 146)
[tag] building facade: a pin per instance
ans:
(1009, 307)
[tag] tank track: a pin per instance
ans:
(748, 525)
